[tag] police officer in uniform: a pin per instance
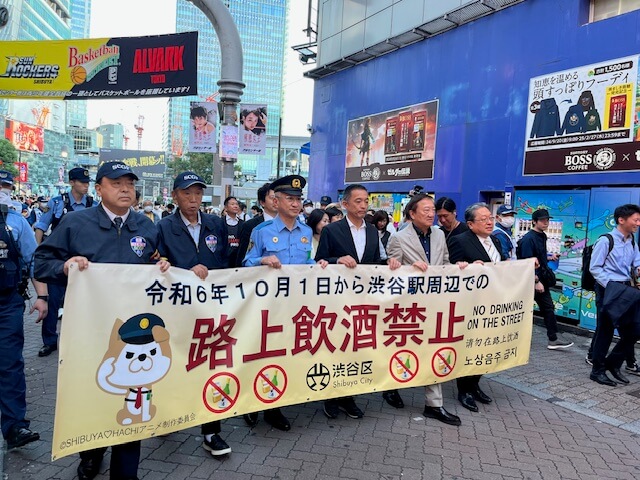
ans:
(195, 241)
(75, 200)
(17, 244)
(285, 240)
(109, 233)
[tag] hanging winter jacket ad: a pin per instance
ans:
(584, 120)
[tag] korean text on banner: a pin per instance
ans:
(163, 352)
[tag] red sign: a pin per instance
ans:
(444, 361)
(28, 138)
(23, 171)
(404, 365)
(267, 387)
(221, 392)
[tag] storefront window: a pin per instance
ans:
(602, 9)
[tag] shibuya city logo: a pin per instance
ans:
(604, 158)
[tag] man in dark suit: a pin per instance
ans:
(352, 241)
(266, 199)
(474, 246)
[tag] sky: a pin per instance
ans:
(134, 18)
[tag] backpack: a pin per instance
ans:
(587, 280)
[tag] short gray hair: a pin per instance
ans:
(470, 212)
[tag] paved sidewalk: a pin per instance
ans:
(547, 421)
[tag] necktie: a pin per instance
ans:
(118, 222)
(491, 250)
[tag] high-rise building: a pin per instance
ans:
(262, 25)
(112, 135)
(80, 23)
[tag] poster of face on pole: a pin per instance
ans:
(394, 145)
(253, 129)
(584, 120)
(202, 134)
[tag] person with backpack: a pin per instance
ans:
(534, 245)
(74, 200)
(609, 266)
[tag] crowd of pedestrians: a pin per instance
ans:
(282, 229)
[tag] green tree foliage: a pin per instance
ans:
(200, 163)
(8, 156)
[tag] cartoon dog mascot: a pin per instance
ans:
(138, 356)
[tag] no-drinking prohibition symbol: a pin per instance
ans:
(404, 365)
(270, 384)
(221, 392)
(443, 361)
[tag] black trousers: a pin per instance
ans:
(623, 350)
(124, 459)
(545, 304)
(211, 428)
(468, 384)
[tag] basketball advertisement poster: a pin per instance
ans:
(395, 145)
(100, 68)
(584, 120)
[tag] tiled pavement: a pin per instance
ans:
(547, 421)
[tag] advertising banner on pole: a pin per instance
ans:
(584, 120)
(100, 68)
(202, 134)
(148, 165)
(160, 352)
(395, 145)
(253, 129)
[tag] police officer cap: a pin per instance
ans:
(308, 201)
(41, 199)
(81, 174)
(137, 330)
(114, 170)
(325, 200)
(505, 210)
(291, 185)
(186, 179)
(6, 177)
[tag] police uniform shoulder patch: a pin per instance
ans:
(137, 245)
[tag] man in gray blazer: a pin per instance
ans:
(420, 245)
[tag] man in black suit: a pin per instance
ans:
(266, 199)
(352, 241)
(474, 246)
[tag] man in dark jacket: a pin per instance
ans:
(534, 245)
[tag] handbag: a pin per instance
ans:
(547, 277)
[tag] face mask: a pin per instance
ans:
(148, 208)
(308, 210)
(507, 222)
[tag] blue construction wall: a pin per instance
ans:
(480, 73)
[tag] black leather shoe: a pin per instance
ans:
(348, 406)
(467, 401)
(330, 408)
(392, 397)
(47, 350)
(276, 419)
(481, 397)
(251, 419)
(439, 413)
(19, 437)
(615, 372)
(89, 468)
(602, 379)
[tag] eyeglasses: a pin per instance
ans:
(485, 220)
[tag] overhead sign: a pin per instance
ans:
(584, 120)
(147, 165)
(100, 68)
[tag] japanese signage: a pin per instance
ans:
(584, 120)
(25, 137)
(229, 141)
(174, 351)
(80, 69)
(23, 171)
(147, 165)
(253, 129)
(202, 134)
(394, 145)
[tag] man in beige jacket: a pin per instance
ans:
(421, 245)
